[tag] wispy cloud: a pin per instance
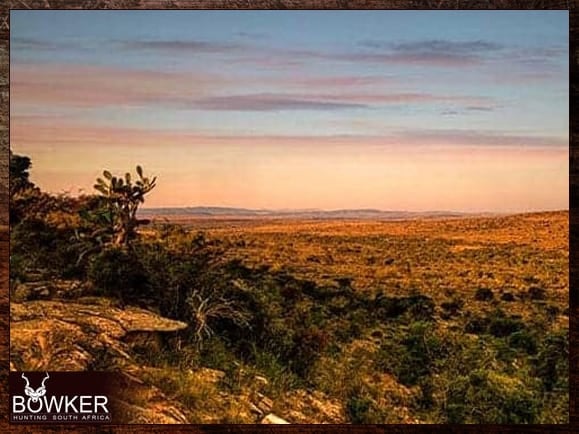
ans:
(325, 101)
(434, 52)
(39, 132)
(252, 35)
(469, 109)
(213, 47)
(95, 86)
(342, 81)
(427, 52)
(480, 138)
(445, 46)
(37, 44)
(271, 102)
(78, 86)
(249, 48)
(537, 55)
(450, 112)
(478, 108)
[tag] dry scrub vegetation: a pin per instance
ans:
(421, 321)
(438, 257)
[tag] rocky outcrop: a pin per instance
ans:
(60, 335)
(304, 407)
(38, 289)
(93, 334)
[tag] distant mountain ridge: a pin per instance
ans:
(368, 213)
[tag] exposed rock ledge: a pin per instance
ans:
(91, 334)
(70, 336)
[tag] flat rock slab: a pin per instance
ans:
(60, 335)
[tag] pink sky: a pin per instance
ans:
(424, 171)
(359, 110)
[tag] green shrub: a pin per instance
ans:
(117, 272)
(552, 361)
(524, 340)
(419, 307)
(536, 293)
(216, 354)
(358, 409)
(17, 268)
(496, 323)
(477, 325)
(483, 294)
(501, 325)
(484, 396)
(451, 307)
(412, 355)
(507, 296)
(42, 247)
(274, 368)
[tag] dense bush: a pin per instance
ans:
(418, 307)
(501, 325)
(496, 323)
(309, 344)
(451, 308)
(507, 296)
(359, 410)
(118, 272)
(536, 293)
(410, 355)
(39, 246)
(483, 294)
(487, 397)
(524, 340)
(552, 361)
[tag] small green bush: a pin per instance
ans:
(536, 293)
(358, 408)
(483, 294)
(552, 361)
(116, 272)
(501, 325)
(484, 396)
(507, 296)
(451, 307)
(477, 325)
(524, 340)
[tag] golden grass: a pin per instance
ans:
(443, 258)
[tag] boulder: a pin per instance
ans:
(273, 419)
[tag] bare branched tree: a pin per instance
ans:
(206, 308)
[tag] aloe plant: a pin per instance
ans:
(124, 197)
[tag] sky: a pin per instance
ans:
(391, 110)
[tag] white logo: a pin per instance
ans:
(37, 406)
(35, 395)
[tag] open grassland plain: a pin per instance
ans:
(443, 258)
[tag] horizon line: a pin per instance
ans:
(376, 210)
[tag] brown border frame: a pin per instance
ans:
(571, 5)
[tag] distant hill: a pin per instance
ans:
(223, 212)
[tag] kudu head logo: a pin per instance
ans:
(35, 395)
